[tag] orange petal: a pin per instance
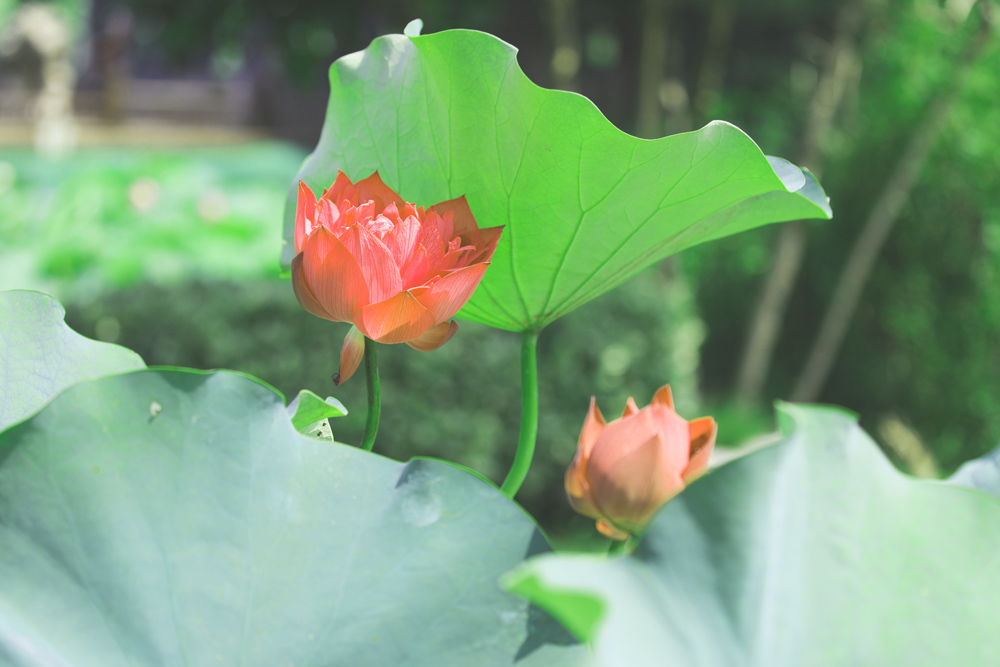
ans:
(630, 408)
(578, 489)
(365, 211)
(376, 262)
(373, 188)
(435, 337)
(328, 216)
(432, 239)
(485, 241)
(464, 221)
(446, 223)
(448, 294)
(664, 396)
(342, 189)
(396, 320)
(305, 215)
(351, 354)
(333, 276)
(303, 293)
(635, 429)
(675, 433)
(703, 433)
(402, 241)
(628, 490)
(391, 211)
(417, 270)
(593, 425)
(608, 530)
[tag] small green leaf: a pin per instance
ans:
(307, 409)
(42, 356)
(585, 206)
(579, 612)
(814, 551)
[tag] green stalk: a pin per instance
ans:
(529, 415)
(374, 395)
(621, 547)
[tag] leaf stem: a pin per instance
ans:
(529, 415)
(374, 395)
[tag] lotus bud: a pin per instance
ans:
(624, 471)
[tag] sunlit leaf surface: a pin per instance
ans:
(585, 205)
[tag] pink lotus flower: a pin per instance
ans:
(396, 271)
(623, 472)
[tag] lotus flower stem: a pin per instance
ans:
(374, 395)
(621, 547)
(529, 415)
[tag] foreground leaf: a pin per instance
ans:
(815, 551)
(42, 356)
(214, 533)
(585, 205)
(982, 473)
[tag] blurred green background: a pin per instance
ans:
(170, 247)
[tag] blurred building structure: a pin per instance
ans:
(38, 39)
(196, 73)
(63, 85)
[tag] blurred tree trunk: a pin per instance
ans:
(566, 44)
(840, 67)
(885, 213)
(652, 67)
(907, 446)
(713, 64)
(663, 102)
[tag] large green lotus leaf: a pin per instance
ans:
(585, 205)
(815, 551)
(41, 356)
(215, 533)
